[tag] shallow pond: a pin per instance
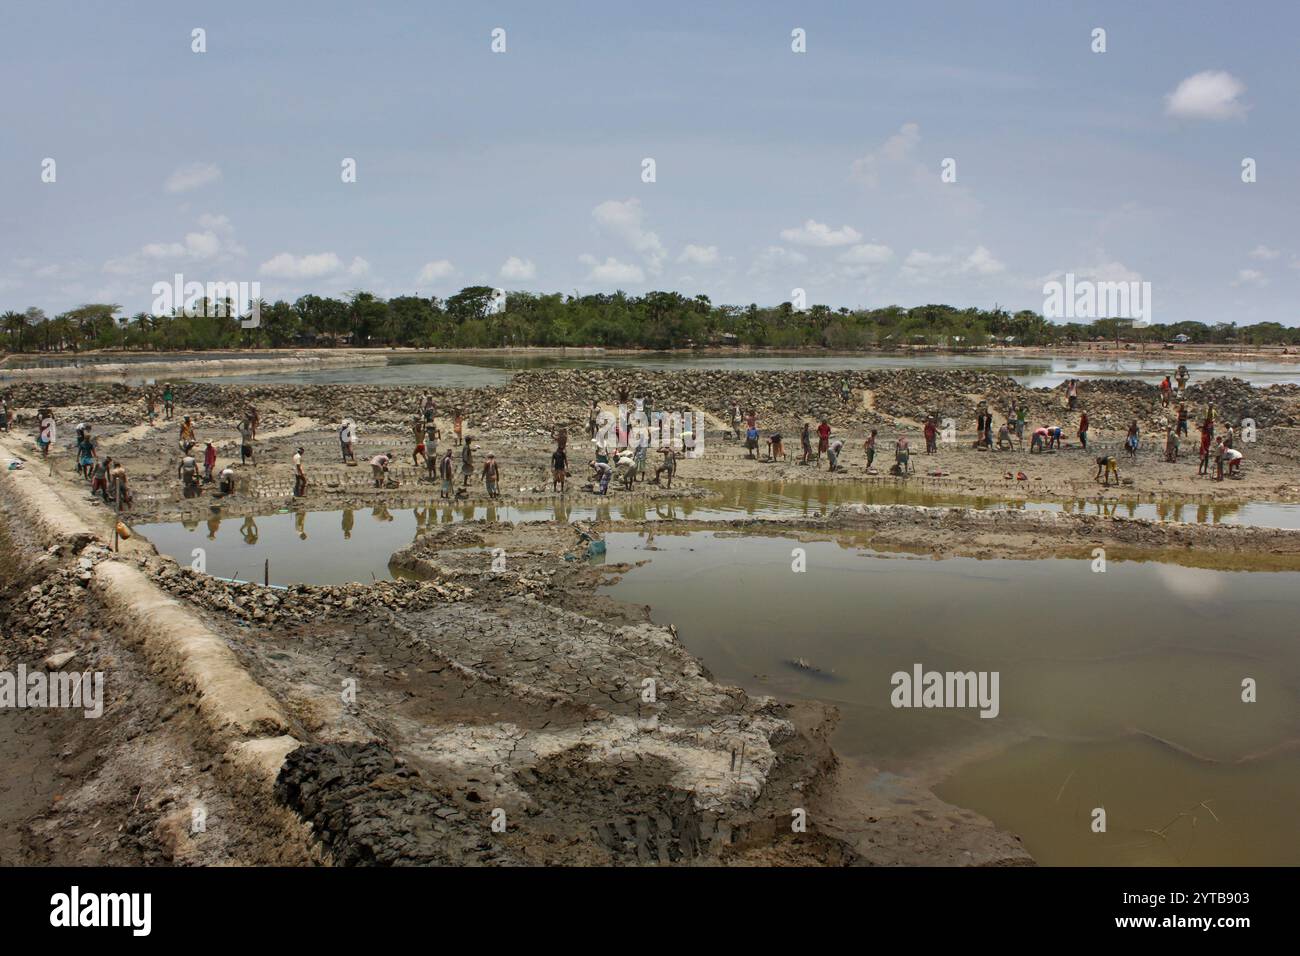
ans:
(467, 371)
(1119, 690)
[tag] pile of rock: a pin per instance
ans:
(299, 604)
(537, 400)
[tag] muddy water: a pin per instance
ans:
(775, 499)
(332, 547)
(1118, 690)
(463, 370)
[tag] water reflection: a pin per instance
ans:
(282, 535)
(1120, 690)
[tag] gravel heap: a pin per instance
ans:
(538, 399)
(300, 603)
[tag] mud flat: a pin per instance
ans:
(474, 693)
(187, 368)
(425, 705)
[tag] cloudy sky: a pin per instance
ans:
(774, 170)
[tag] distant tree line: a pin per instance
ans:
(472, 318)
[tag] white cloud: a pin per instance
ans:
(775, 258)
(214, 244)
(1264, 252)
(923, 266)
(896, 149)
(612, 271)
(192, 177)
(813, 233)
(216, 223)
(699, 255)
(624, 221)
(1212, 95)
(518, 270)
(288, 266)
(1101, 271)
(920, 264)
(359, 267)
(1251, 277)
(982, 262)
(433, 271)
(867, 254)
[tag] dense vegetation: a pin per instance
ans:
(657, 320)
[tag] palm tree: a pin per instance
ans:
(15, 323)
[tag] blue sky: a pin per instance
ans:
(775, 170)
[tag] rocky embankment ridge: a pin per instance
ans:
(540, 399)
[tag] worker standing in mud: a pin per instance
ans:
(209, 461)
(246, 442)
(1022, 414)
(418, 429)
(169, 401)
(446, 473)
(805, 443)
(559, 468)
(379, 469)
(625, 469)
(187, 433)
(1182, 420)
(669, 467)
(833, 454)
(46, 433)
(121, 493)
(188, 473)
(491, 476)
(1107, 465)
(299, 476)
(347, 441)
(1204, 450)
(458, 425)
(99, 478)
(902, 455)
(823, 438)
(467, 461)
(869, 446)
(751, 442)
(1083, 430)
(1131, 441)
(600, 475)
(931, 435)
